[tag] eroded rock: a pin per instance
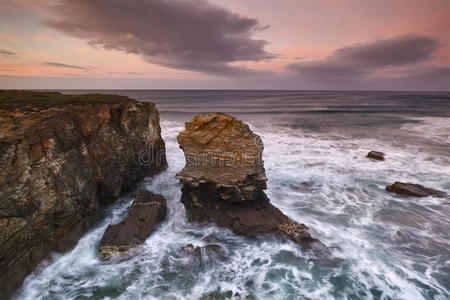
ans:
(412, 189)
(225, 152)
(224, 179)
(145, 213)
(62, 155)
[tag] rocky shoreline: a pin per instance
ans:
(62, 157)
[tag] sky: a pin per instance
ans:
(225, 44)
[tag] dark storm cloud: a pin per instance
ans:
(60, 65)
(400, 50)
(188, 34)
(362, 59)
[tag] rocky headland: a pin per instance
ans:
(62, 156)
(224, 181)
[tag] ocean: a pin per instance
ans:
(386, 246)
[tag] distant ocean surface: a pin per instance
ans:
(315, 143)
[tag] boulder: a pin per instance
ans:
(224, 181)
(376, 155)
(145, 213)
(412, 189)
(62, 156)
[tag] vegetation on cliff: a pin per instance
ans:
(17, 99)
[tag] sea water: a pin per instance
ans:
(385, 246)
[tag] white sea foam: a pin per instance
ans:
(434, 128)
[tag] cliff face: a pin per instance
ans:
(61, 157)
(224, 179)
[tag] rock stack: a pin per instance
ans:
(224, 179)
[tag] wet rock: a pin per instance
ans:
(412, 189)
(61, 156)
(335, 248)
(223, 295)
(305, 186)
(403, 218)
(400, 237)
(224, 179)
(376, 155)
(206, 252)
(211, 238)
(145, 213)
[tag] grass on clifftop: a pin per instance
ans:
(16, 99)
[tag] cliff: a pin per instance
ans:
(62, 156)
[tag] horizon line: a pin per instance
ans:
(237, 90)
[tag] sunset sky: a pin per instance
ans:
(232, 44)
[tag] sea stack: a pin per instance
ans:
(62, 156)
(224, 181)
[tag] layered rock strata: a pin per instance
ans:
(62, 156)
(145, 213)
(224, 179)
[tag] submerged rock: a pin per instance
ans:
(376, 155)
(206, 252)
(412, 189)
(224, 179)
(61, 156)
(147, 210)
(197, 259)
(400, 237)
